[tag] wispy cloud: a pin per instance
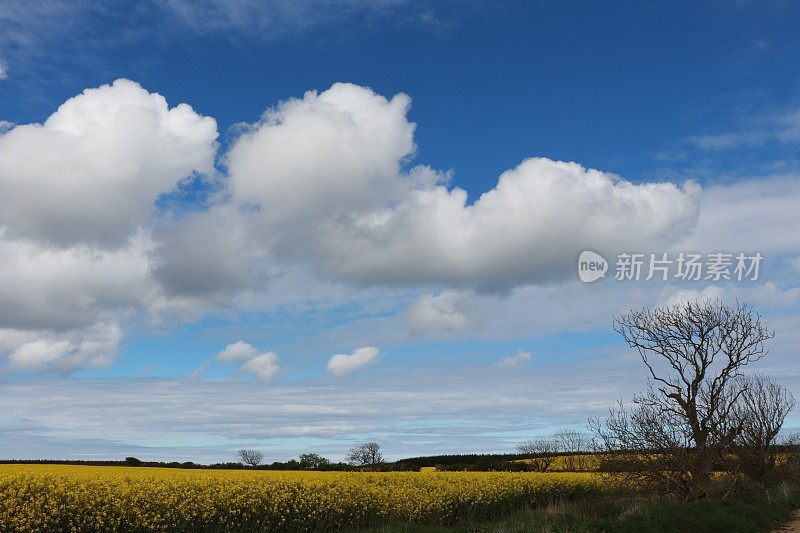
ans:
(60, 39)
(209, 420)
(515, 360)
(782, 127)
(275, 18)
(198, 372)
(55, 40)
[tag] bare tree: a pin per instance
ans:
(792, 441)
(648, 447)
(574, 444)
(540, 451)
(365, 455)
(760, 412)
(251, 457)
(693, 352)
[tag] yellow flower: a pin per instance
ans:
(66, 498)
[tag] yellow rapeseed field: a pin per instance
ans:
(87, 498)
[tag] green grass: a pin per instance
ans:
(765, 510)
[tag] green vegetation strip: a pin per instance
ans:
(764, 510)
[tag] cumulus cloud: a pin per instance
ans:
(511, 361)
(437, 313)
(341, 364)
(528, 229)
(91, 172)
(64, 309)
(263, 366)
(326, 154)
(206, 256)
(61, 289)
(92, 347)
(322, 184)
(238, 351)
(76, 199)
(326, 173)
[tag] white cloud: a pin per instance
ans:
(238, 351)
(511, 361)
(3, 69)
(322, 185)
(60, 289)
(207, 257)
(92, 347)
(770, 294)
(209, 420)
(263, 366)
(341, 364)
(5, 126)
(767, 295)
(528, 229)
(326, 154)
(326, 173)
(437, 313)
(76, 198)
(91, 172)
(64, 309)
(754, 215)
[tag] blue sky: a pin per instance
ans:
(140, 237)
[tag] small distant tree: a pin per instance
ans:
(365, 455)
(540, 451)
(792, 442)
(251, 457)
(759, 414)
(574, 444)
(132, 461)
(790, 468)
(312, 461)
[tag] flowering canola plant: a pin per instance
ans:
(90, 498)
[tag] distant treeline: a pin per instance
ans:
(472, 458)
(133, 461)
(471, 462)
